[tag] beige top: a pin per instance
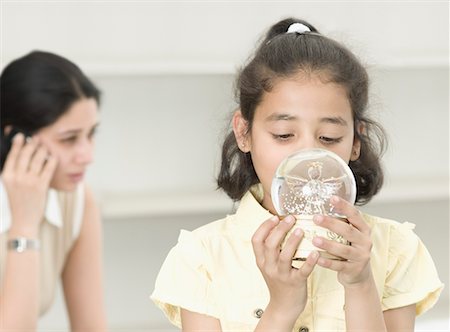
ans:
(212, 271)
(59, 230)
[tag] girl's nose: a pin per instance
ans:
(307, 143)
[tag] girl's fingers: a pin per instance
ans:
(276, 237)
(308, 266)
(340, 227)
(260, 236)
(338, 249)
(353, 215)
(11, 160)
(289, 250)
(335, 265)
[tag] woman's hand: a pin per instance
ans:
(26, 176)
(287, 285)
(356, 269)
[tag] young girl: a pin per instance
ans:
(50, 225)
(299, 90)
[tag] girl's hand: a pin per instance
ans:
(356, 269)
(287, 285)
(26, 175)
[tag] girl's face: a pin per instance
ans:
(297, 114)
(71, 140)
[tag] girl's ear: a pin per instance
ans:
(240, 129)
(356, 149)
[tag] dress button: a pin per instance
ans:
(303, 329)
(258, 313)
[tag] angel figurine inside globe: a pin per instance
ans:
(303, 185)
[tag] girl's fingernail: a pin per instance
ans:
(274, 219)
(298, 232)
(318, 219)
(317, 241)
(334, 199)
(289, 219)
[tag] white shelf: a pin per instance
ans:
(119, 206)
(228, 68)
(156, 69)
(407, 189)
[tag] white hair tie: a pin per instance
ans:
(298, 28)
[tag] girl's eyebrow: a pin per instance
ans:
(335, 120)
(288, 117)
(280, 116)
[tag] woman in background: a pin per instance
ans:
(50, 225)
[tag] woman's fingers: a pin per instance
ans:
(29, 158)
(38, 160)
(11, 160)
(49, 168)
(25, 155)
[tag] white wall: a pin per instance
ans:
(167, 153)
(166, 71)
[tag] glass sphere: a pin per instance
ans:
(306, 180)
(302, 186)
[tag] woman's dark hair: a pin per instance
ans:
(37, 89)
(284, 55)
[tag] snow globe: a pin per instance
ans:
(302, 186)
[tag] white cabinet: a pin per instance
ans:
(160, 139)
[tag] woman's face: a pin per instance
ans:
(71, 140)
(298, 114)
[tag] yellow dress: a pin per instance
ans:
(212, 271)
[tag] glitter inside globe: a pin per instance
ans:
(305, 181)
(302, 186)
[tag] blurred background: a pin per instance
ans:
(166, 70)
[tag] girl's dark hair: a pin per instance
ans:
(284, 55)
(35, 90)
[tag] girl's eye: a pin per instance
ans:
(93, 133)
(282, 137)
(330, 140)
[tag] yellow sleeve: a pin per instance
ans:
(411, 275)
(184, 280)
